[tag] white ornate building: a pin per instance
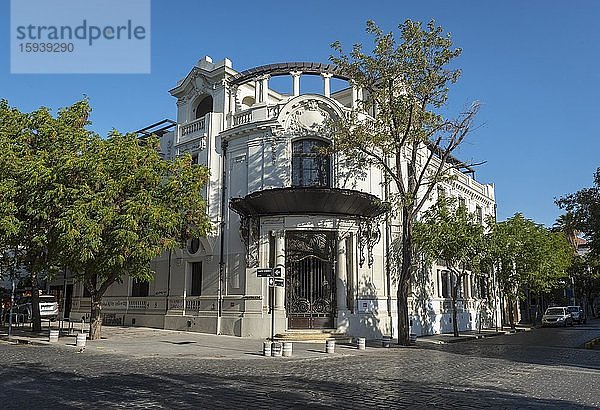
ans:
(276, 201)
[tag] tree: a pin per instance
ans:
(131, 206)
(584, 206)
(526, 254)
(585, 272)
(34, 146)
(104, 208)
(451, 234)
(408, 135)
(567, 224)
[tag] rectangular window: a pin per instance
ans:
(310, 165)
(483, 288)
(196, 289)
(86, 292)
(462, 202)
(139, 288)
(479, 214)
(445, 279)
(441, 192)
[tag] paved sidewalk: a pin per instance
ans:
(471, 335)
(140, 342)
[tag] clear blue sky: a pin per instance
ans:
(534, 65)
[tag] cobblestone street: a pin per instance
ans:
(541, 368)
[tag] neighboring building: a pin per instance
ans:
(277, 200)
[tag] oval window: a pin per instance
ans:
(194, 245)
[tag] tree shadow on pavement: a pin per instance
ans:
(241, 384)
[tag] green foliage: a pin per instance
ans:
(584, 208)
(130, 205)
(34, 147)
(450, 234)
(104, 208)
(525, 253)
(406, 87)
(400, 125)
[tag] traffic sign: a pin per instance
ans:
(277, 272)
(264, 272)
(279, 282)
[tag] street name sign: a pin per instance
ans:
(264, 272)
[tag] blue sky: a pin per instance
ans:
(534, 66)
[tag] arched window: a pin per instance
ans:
(310, 166)
(204, 107)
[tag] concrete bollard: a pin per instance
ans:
(361, 343)
(385, 342)
(266, 348)
(276, 349)
(53, 337)
(287, 349)
(413, 338)
(330, 346)
(80, 341)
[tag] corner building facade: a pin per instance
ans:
(277, 199)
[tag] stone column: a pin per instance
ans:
(296, 78)
(257, 84)
(232, 95)
(264, 88)
(342, 275)
(280, 263)
(326, 84)
(357, 94)
(467, 287)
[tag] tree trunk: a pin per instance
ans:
(96, 317)
(36, 321)
(511, 314)
(403, 322)
(528, 317)
(455, 287)
(404, 278)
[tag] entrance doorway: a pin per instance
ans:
(310, 279)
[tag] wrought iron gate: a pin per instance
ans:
(310, 277)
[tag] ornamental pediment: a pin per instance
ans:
(308, 115)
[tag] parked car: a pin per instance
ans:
(578, 314)
(48, 307)
(557, 316)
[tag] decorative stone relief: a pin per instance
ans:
(170, 148)
(368, 236)
(198, 144)
(249, 234)
(308, 117)
(199, 86)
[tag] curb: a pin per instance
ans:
(592, 344)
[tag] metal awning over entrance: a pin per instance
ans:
(309, 201)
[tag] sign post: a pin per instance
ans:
(275, 279)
